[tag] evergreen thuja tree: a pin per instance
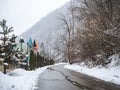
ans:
(31, 60)
(34, 61)
(38, 60)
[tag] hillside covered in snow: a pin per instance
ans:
(47, 29)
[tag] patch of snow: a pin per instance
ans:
(20, 79)
(115, 61)
(106, 74)
(60, 63)
(5, 64)
(17, 72)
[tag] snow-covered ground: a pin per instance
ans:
(110, 74)
(20, 79)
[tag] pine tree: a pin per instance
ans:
(7, 45)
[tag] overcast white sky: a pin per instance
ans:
(23, 14)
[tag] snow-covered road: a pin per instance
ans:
(59, 78)
(20, 79)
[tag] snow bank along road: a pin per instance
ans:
(59, 78)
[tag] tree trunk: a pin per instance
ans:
(4, 69)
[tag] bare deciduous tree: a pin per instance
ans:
(100, 20)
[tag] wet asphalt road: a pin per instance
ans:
(58, 78)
